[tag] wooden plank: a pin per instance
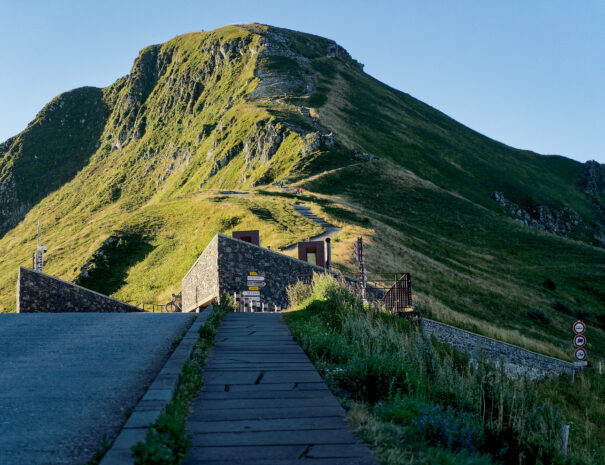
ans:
(264, 403)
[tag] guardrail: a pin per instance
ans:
(397, 297)
(154, 308)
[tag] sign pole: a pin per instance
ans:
(579, 341)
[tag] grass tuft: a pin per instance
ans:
(417, 401)
(167, 441)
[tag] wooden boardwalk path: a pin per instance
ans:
(263, 402)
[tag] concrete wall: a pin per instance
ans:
(226, 262)
(200, 285)
(41, 293)
(516, 360)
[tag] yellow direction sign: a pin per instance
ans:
(253, 273)
(253, 288)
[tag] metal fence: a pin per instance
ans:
(246, 305)
(397, 296)
(170, 307)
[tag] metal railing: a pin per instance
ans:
(244, 305)
(397, 296)
(170, 307)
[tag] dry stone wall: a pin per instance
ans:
(226, 262)
(41, 293)
(200, 285)
(516, 360)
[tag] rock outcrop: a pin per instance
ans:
(561, 221)
(592, 178)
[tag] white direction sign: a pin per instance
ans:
(579, 340)
(579, 327)
(580, 354)
(250, 293)
(252, 299)
(255, 278)
(256, 283)
(583, 363)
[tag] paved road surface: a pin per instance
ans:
(66, 379)
(264, 403)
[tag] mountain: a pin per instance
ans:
(128, 183)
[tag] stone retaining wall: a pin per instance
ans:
(516, 360)
(200, 285)
(41, 293)
(226, 262)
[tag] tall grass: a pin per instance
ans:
(432, 392)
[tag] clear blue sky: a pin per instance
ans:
(530, 73)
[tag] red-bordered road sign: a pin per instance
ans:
(580, 354)
(579, 340)
(579, 327)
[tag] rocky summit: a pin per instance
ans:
(131, 182)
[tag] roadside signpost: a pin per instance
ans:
(251, 293)
(250, 299)
(579, 340)
(579, 327)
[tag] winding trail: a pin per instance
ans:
(329, 229)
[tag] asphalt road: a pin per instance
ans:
(67, 379)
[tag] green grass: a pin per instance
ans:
(161, 141)
(167, 441)
(417, 401)
(471, 267)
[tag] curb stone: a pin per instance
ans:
(154, 402)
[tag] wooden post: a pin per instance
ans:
(564, 439)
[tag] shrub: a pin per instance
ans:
(298, 293)
(225, 223)
(562, 308)
(536, 314)
(166, 443)
(379, 361)
(549, 284)
(400, 410)
(449, 428)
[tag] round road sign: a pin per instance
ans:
(579, 327)
(580, 354)
(579, 340)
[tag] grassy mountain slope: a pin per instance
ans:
(53, 148)
(245, 106)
